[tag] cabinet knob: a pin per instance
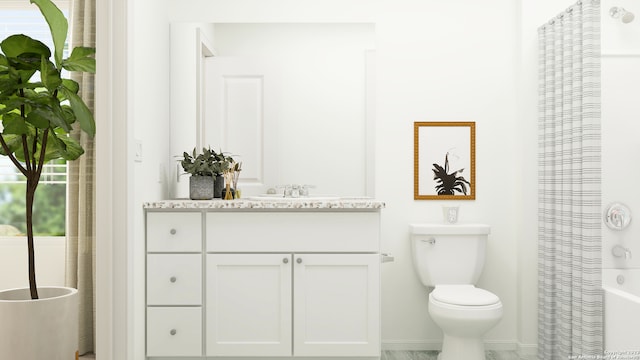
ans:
(173, 231)
(299, 260)
(173, 332)
(173, 279)
(285, 260)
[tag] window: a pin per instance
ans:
(50, 204)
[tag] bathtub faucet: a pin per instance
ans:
(619, 251)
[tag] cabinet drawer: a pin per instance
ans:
(174, 331)
(174, 279)
(174, 232)
(293, 232)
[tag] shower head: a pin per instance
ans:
(622, 14)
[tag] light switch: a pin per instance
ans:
(138, 150)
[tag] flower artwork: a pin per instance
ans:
(444, 160)
(449, 183)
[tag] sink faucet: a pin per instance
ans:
(295, 190)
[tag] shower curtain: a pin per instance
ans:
(570, 300)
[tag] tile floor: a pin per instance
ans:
(433, 355)
(418, 355)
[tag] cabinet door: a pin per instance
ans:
(248, 305)
(336, 305)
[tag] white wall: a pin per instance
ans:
(148, 102)
(440, 61)
(620, 126)
(447, 61)
(463, 60)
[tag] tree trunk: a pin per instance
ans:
(30, 193)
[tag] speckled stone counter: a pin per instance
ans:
(282, 204)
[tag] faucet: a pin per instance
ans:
(620, 251)
(295, 190)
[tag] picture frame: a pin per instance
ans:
(444, 160)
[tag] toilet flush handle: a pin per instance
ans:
(430, 240)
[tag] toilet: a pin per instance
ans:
(449, 258)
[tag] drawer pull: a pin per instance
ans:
(285, 260)
(299, 260)
(173, 231)
(173, 332)
(173, 279)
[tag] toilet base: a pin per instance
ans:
(456, 348)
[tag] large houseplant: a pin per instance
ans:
(38, 112)
(38, 109)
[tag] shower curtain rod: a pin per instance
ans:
(568, 11)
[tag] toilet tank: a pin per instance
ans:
(449, 254)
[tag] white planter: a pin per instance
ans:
(46, 328)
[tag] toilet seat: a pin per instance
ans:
(464, 295)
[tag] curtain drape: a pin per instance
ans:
(570, 314)
(80, 268)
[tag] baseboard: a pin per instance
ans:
(530, 350)
(425, 345)
(411, 345)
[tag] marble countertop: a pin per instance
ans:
(346, 203)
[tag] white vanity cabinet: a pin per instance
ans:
(263, 283)
(330, 308)
(174, 284)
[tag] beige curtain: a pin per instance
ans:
(80, 268)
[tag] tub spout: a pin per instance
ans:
(619, 251)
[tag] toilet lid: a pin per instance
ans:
(466, 295)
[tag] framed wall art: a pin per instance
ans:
(444, 161)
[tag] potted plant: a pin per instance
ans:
(206, 170)
(38, 108)
(202, 169)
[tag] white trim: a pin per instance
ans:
(27, 5)
(426, 345)
(204, 48)
(411, 345)
(606, 54)
(370, 122)
(527, 349)
(113, 325)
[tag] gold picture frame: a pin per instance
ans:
(444, 160)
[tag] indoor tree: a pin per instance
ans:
(38, 107)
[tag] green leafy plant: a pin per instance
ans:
(448, 184)
(38, 112)
(206, 163)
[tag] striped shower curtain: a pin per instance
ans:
(570, 300)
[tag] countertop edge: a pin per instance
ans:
(356, 204)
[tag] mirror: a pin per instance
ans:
(294, 102)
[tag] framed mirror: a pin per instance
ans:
(444, 161)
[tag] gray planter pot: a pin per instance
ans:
(201, 187)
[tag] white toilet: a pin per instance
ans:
(450, 258)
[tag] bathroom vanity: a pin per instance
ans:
(268, 278)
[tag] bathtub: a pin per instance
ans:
(621, 313)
